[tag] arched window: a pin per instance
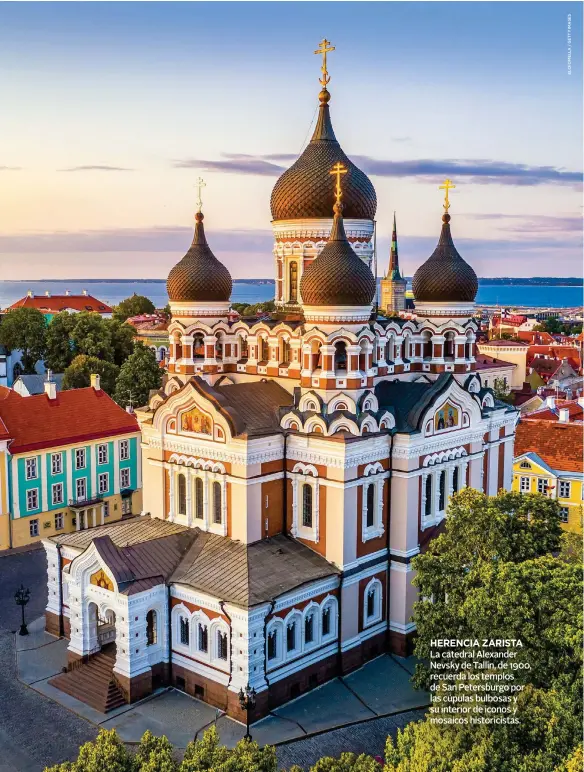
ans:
(293, 282)
(427, 346)
(370, 506)
(273, 645)
(307, 505)
(309, 628)
(455, 480)
(198, 346)
(219, 345)
(428, 505)
(264, 350)
(243, 349)
(389, 350)
(284, 351)
(203, 638)
(151, 631)
(371, 602)
(162, 353)
(221, 645)
(291, 636)
(340, 355)
(468, 348)
(182, 494)
(199, 500)
(184, 631)
(442, 492)
(326, 621)
(315, 355)
(217, 502)
(449, 345)
(407, 352)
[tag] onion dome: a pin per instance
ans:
(337, 277)
(199, 276)
(303, 192)
(445, 277)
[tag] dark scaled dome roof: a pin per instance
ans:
(199, 276)
(337, 277)
(304, 190)
(445, 276)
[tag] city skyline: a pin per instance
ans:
(135, 101)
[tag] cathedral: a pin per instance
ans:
(292, 466)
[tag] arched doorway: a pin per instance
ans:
(106, 631)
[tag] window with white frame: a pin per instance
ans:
(309, 628)
(102, 454)
(199, 499)
(525, 465)
(80, 458)
(217, 504)
(124, 478)
(81, 488)
(57, 493)
(564, 514)
(370, 505)
(372, 603)
(441, 490)
(203, 637)
(59, 521)
(525, 484)
(124, 450)
(32, 499)
(221, 645)
(127, 505)
(326, 621)
(151, 628)
(273, 644)
(106, 509)
(542, 485)
(103, 482)
(33, 527)
(31, 468)
(56, 463)
(428, 508)
(565, 489)
(291, 633)
(307, 506)
(184, 631)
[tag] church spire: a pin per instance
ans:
(393, 272)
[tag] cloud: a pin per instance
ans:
(96, 168)
(10, 168)
(401, 139)
(479, 171)
(533, 224)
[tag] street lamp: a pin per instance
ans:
(22, 597)
(247, 701)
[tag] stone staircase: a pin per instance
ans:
(93, 683)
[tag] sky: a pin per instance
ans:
(111, 111)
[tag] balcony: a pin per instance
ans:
(81, 502)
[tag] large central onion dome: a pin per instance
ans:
(445, 277)
(337, 277)
(303, 192)
(199, 276)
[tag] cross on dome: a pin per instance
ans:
(446, 186)
(199, 186)
(338, 170)
(324, 47)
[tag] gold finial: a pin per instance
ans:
(324, 47)
(338, 170)
(199, 186)
(446, 187)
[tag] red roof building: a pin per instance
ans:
(562, 410)
(78, 415)
(559, 444)
(53, 304)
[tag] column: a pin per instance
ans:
(206, 513)
(102, 514)
(189, 500)
(171, 494)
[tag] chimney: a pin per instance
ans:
(130, 409)
(549, 401)
(564, 415)
(95, 382)
(84, 292)
(29, 294)
(67, 293)
(48, 294)
(50, 387)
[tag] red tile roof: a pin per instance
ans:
(559, 445)
(506, 343)
(512, 320)
(36, 422)
(533, 337)
(52, 304)
(575, 411)
(485, 362)
(555, 352)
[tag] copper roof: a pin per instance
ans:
(256, 404)
(304, 190)
(337, 277)
(445, 276)
(199, 276)
(123, 533)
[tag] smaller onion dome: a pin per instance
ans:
(445, 277)
(199, 276)
(337, 277)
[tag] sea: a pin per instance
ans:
(112, 292)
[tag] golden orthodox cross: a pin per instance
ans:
(446, 187)
(199, 186)
(324, 47)
(337, 170)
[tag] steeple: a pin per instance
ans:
(393, 271)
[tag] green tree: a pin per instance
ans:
(133, 306)
(60, 351)
(155, 754)
(78, 374)
(139, 374)
(502, 391)
(92, 336)
(347, 762)
(25, 329)
(207, 755)
(544, 740)
(482, 534)
(122, 340)
(107, 753)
